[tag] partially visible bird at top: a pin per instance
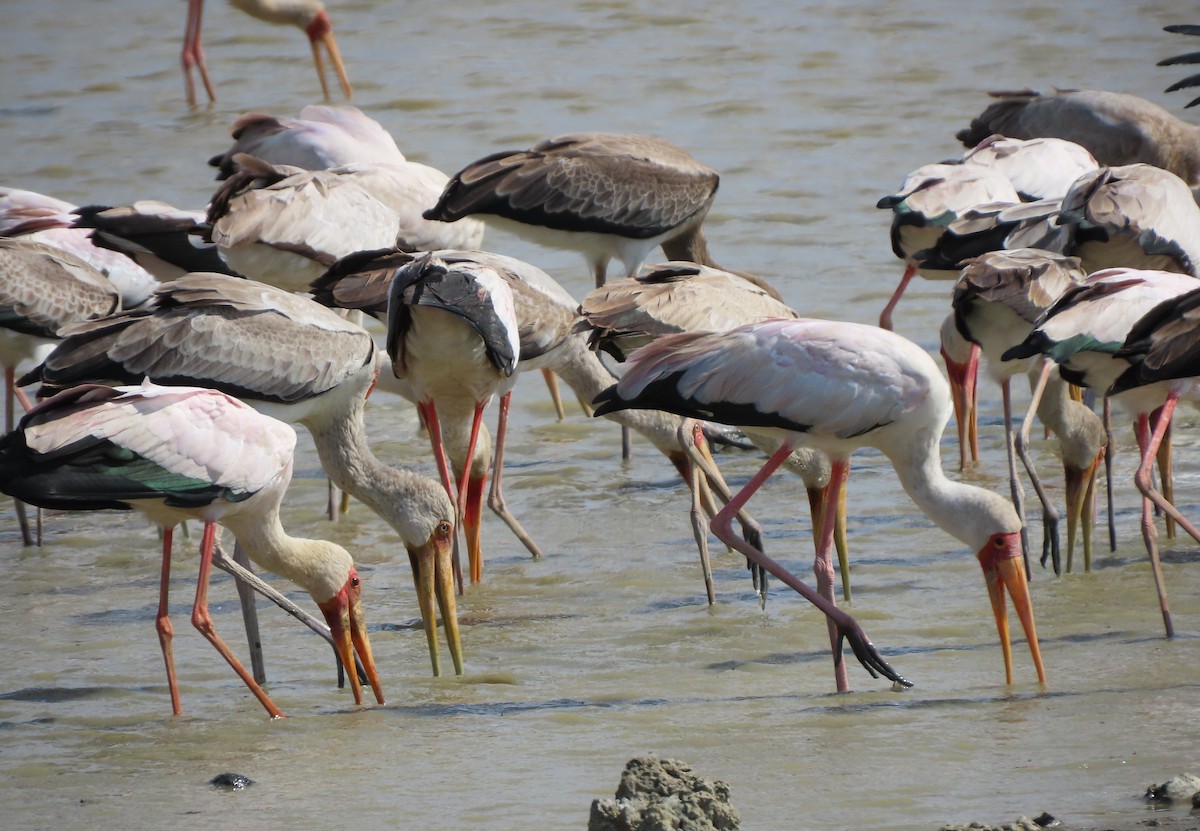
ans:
(1133, 216)
(1039, 168)
(309, 15)
(46, 219)
(43, 289)
(606, 195)
(1117, 128)
(162, 239)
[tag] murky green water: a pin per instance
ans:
(604, 649)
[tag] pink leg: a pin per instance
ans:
(474, 552)
(162, 622)
(203, 622)
(885, 318)
(1149, 446)
(847, 626)
(496, 494)
(963, 383)
(193, 54)
(429, 416)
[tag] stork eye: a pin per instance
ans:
(443, 527)
(998, 542)
(354, 581)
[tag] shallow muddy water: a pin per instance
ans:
(604, 649)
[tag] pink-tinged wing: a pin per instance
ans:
(1039, 168)
(190, 431)
(942, 192)
(323, 136)
(831, 378)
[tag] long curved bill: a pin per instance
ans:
(963, 381)
(320, 33)
(472, 524)
(348, 627)
(433, 577)
(1004, 568)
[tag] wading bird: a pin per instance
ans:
(835, 386)
(309, 15)
(292, 359)
(608, 196)
(177, 453)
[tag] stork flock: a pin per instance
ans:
(167, 351)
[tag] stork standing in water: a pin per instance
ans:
(998, 299)
(836, 387)
(608, 196)
(623, 315)
(177, 453)
(453, 334)
(1084, 334)
(292, 359)
(309, 15)
(1164, 357)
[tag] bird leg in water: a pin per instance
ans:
(1050, 548)
(203, 622)
(1108, 473)
(1166, 476)
(222, 561)
(11, 392)
(699, 454)
(842, 625)
(428, 413)
(702, 503)
(162, 622)
(496, 494)
(1014, 479)
(1149, 444)
(193, 54)
(885, 317)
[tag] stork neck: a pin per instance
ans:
(267, 543)
(968, 513)
(690, 246)
(341, 443)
